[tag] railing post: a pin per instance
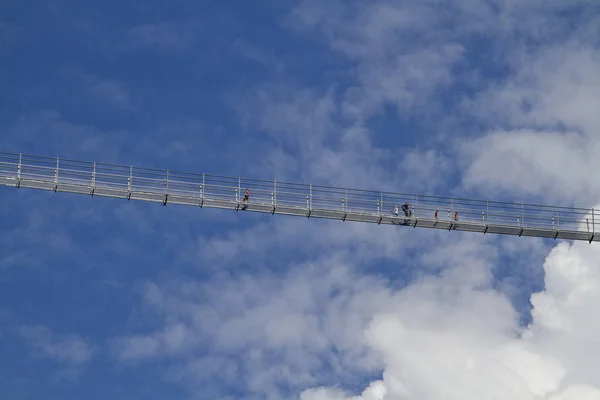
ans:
(19, 170)
(309, 201)
(345, 206)
(521, 220)
(93, 180)
(239, 189)
(346, 209)
(129, 181)
(381, 200)
(202, 192)
(274, 196)
(202, 189)
(593, 227)
(166, 189)
(378, 208)
(485, 218)
(56, 175)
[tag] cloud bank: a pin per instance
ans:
(470, 346)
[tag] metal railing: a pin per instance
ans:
(160, 185)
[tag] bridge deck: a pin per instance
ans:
(203, 190)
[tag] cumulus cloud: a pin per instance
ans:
(469, 345)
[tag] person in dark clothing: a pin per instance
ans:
(406, 209)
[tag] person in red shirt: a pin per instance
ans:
(246, 198)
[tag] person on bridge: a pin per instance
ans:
(246, 198)
(406, 209)
(395, 211)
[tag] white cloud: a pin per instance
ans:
(411, 55)
(407, 54)
(533, 163)
(168, 341)
(310, 324)
(322, 134)
(69, 349)
(246, 332)
(457, 337)
(553, 87)
(311, 144)
(468, 345)
(449, 334)
(553, 95)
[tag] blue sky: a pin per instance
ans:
(102, 298)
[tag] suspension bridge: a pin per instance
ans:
(304, 200)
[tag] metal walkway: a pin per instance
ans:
(203, 190)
